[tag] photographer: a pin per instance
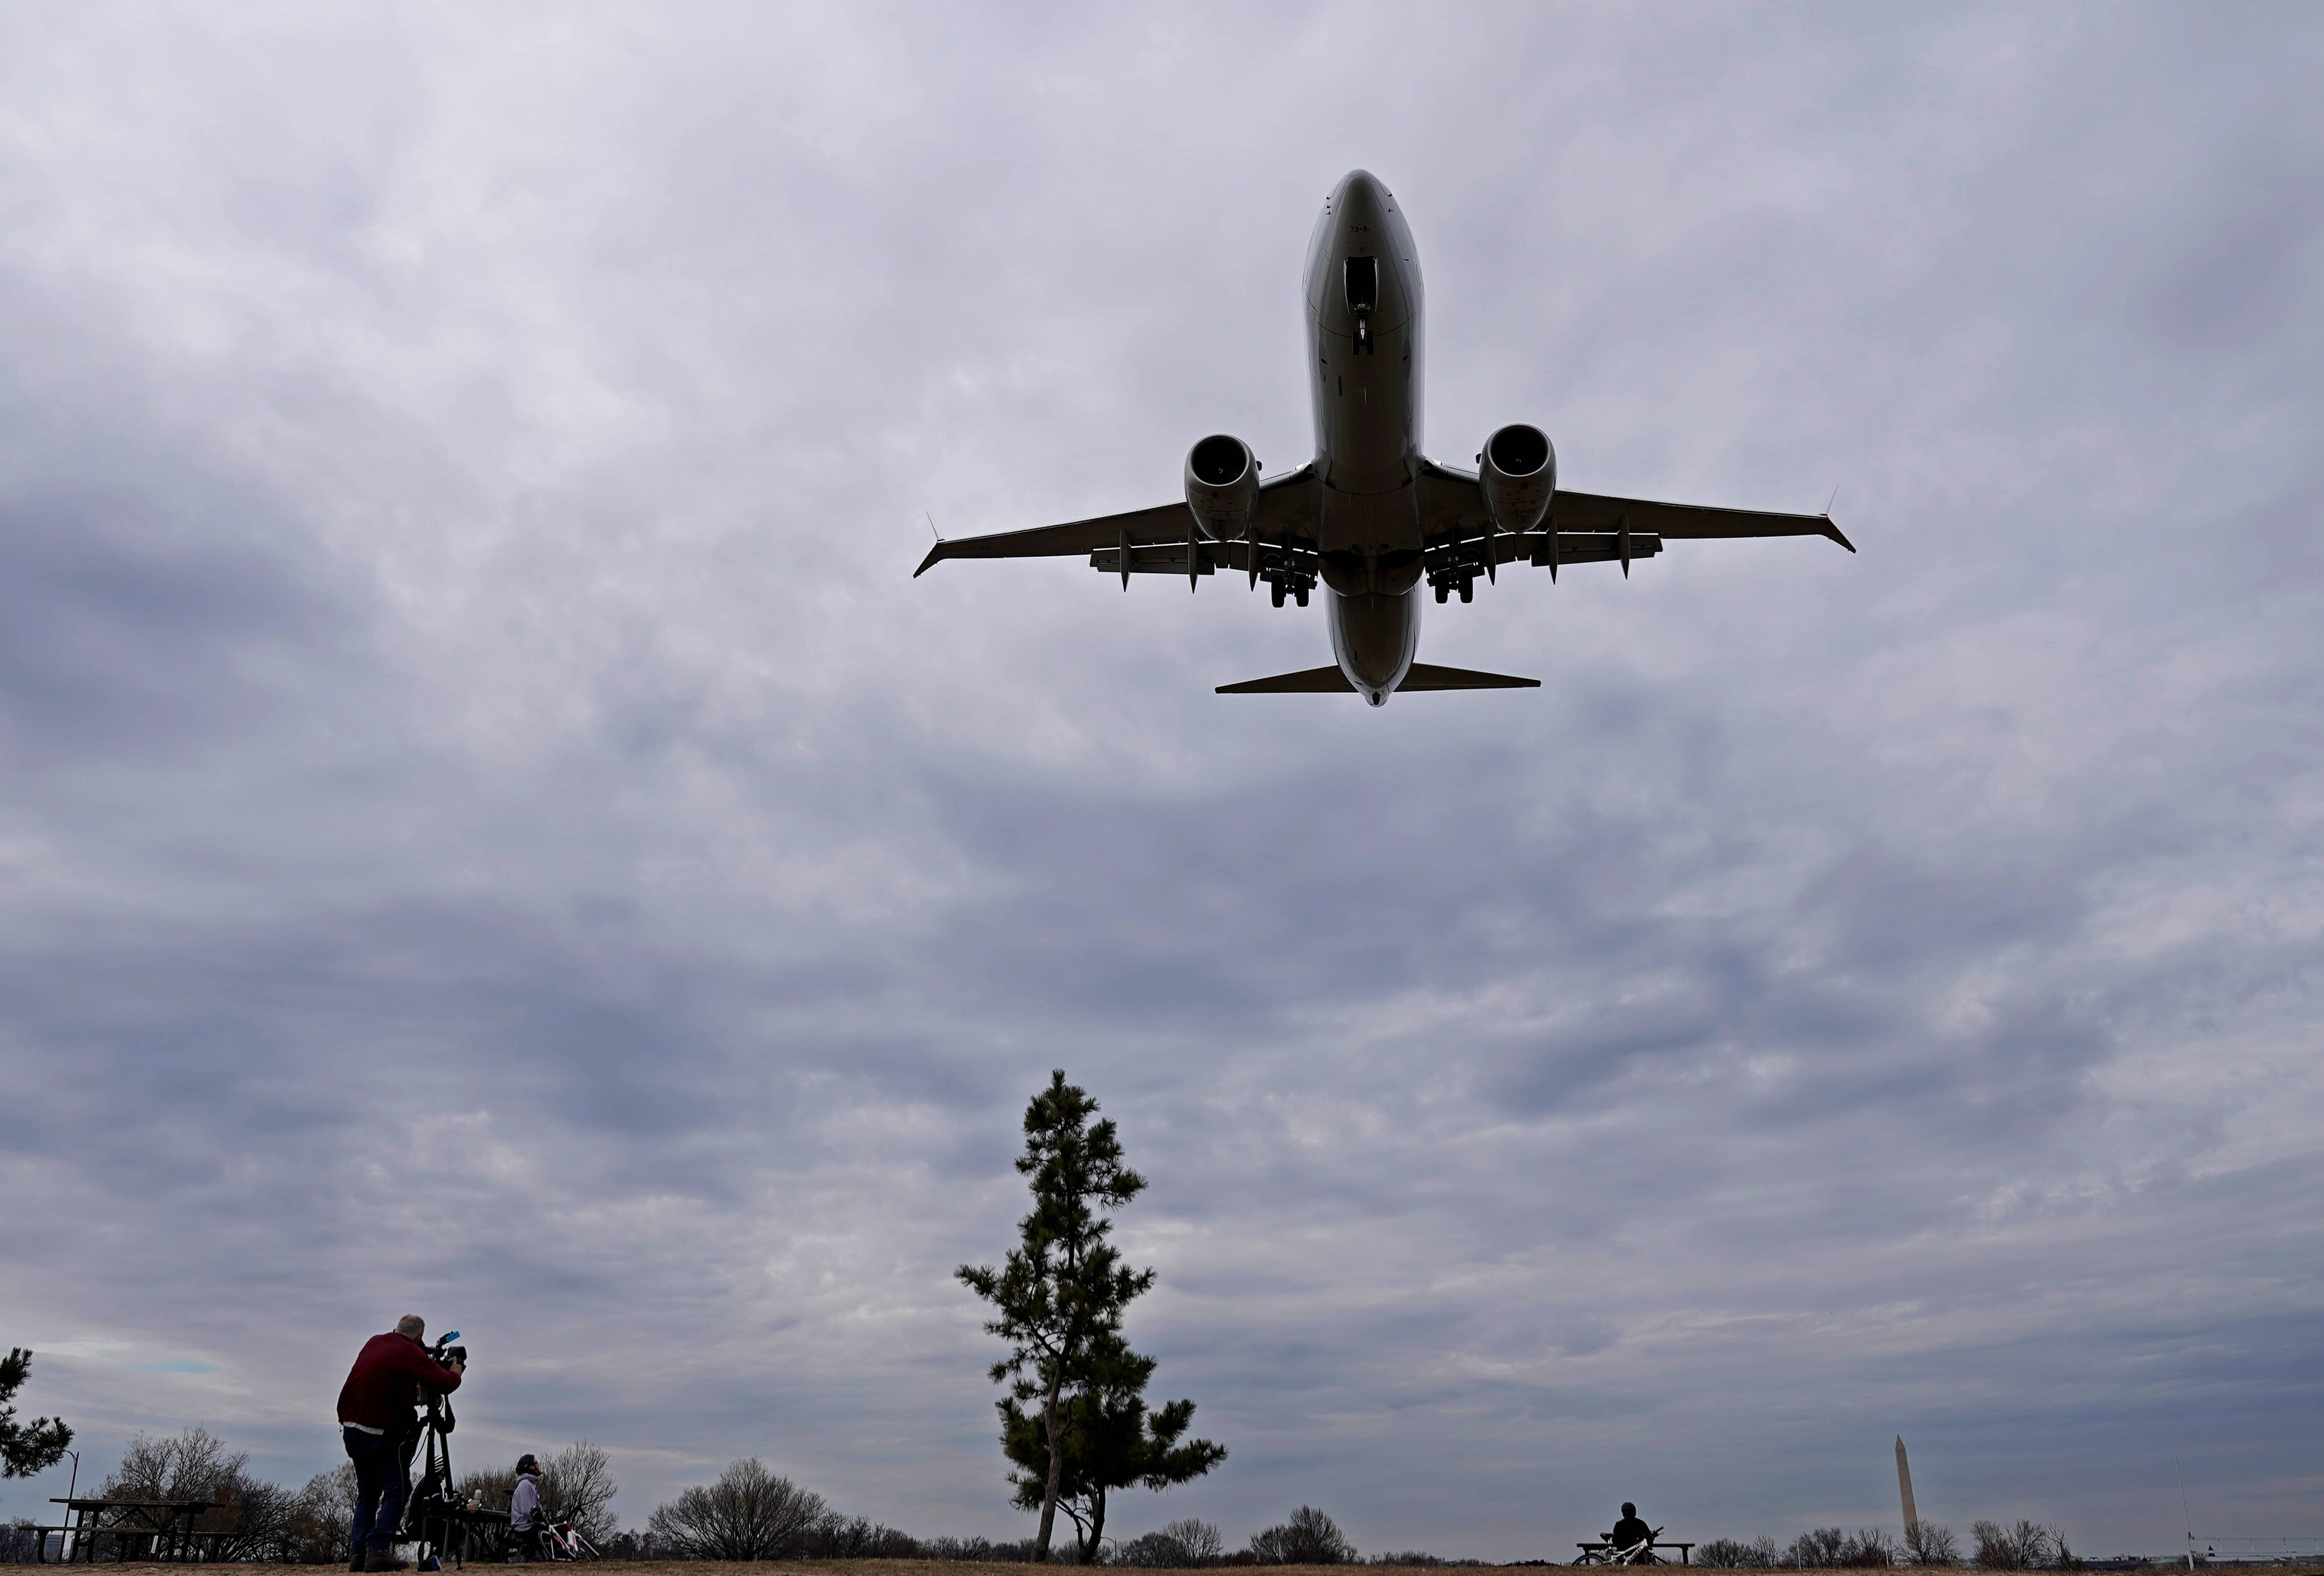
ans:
(377, 1425)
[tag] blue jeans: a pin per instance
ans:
(382, 1482)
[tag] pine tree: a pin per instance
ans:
(1110, 1441)
(1059, 1298)
(26, 1448)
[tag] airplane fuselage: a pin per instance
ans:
(1363, 301)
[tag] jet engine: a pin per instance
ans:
(1223, 486)
(1518, 472)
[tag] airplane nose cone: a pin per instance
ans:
(1360, 197)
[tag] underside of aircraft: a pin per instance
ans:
(1371, 520)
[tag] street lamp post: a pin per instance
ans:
(65, 1540)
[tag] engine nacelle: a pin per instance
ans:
(1223, 486)
(1518, 473)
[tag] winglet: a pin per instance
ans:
(938, 554)
(1830, 529)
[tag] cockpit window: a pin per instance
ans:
(1364, 283)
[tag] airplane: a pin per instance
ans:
(1371, 517)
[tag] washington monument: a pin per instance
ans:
(1904, 1490)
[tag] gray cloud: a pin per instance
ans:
(492, 828)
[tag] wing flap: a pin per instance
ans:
(1168, 557)
(1576, 546)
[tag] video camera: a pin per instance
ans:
(445, 1353)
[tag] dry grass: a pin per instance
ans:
(773, 1567)
(968, 1568)
(766, 1568)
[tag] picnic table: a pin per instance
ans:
(1596, 1553)
(456, 1534)
(160, 1529)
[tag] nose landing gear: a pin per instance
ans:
(1282, 583)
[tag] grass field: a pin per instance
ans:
(961, 1568)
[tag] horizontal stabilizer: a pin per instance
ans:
(1306, 682)
(1427, 676)
(1332, 682)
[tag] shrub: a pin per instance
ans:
(1816, 1549)
(1309, 1538)
(2022, 1547)
(1737, 1554)
(855, 1537)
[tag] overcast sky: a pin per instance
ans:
(492, 828)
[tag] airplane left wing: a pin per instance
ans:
(1156, 539)
(1138, 527)
(1672, 521)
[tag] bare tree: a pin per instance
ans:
(1309, 1538)
(1870, 1547)
(322, 1516)
(578, 1481)
(1183, 1545)
(748, 1514)
(1818, 1548)
(252, 1516)
(1928, 1544)
(1200, 1539)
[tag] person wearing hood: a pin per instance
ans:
(525, 1517)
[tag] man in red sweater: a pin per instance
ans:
(377, 1421)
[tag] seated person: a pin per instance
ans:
(1629, 1532)
(527, 1525)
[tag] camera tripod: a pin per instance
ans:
(440, 1525)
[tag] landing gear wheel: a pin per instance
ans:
(1468, 591)
(1302, 594)
(1274, 590)
(1443, 591)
